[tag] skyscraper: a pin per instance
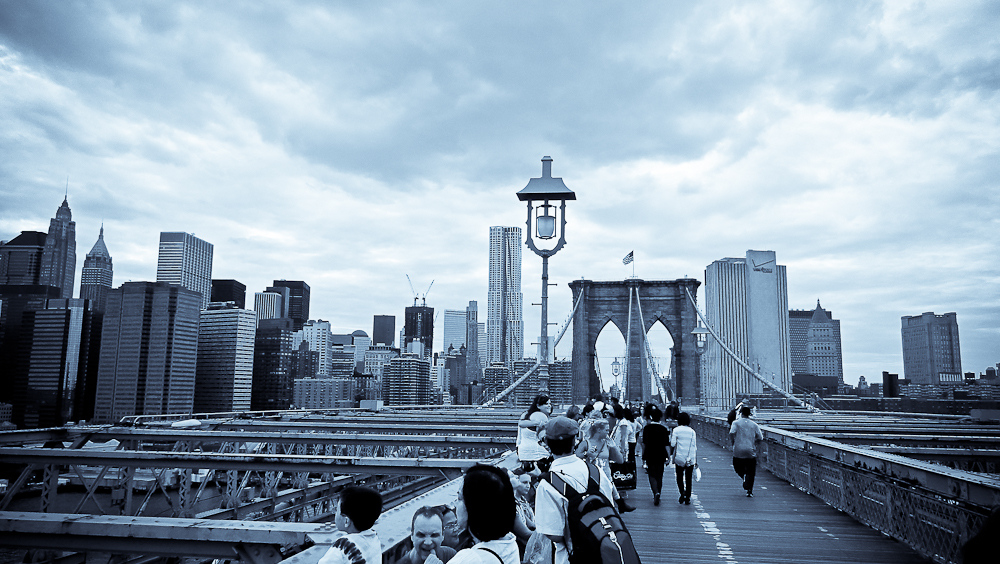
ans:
(149, 351)
(746, 303)
(55, 344)
(317, 333)
(419, 328)
(230, 291)
(504, 314)
(97, 277)
(298, 300)
(225, 358)
(271, 305)
(931, 351)
(383, 330)
(59, 257)
(473, 338)
(17, 302)
(406, 380)
(273, 385)
(21, 259)
(187, 261)
(814, 339)
(454, 329)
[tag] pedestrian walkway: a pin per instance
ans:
(722, 526)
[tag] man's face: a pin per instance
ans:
(427, 534)
(451, 529)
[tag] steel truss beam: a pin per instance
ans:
(251, 541)
(237, 461)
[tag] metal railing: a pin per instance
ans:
(932, 509)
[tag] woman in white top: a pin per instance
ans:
(486, 506)
(529, 447)
(684, 446)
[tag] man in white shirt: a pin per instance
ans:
(551, 507)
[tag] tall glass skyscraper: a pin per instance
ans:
(931, 351)
(59, 256)
(97, 277)
(226, 335)
(504, 313)
(746, 303)
(187, 261)
(149, 351)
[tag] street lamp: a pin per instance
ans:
(701, 337)
(545, 217)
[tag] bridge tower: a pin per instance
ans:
(614, 302)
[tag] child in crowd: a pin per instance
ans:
(357, 511)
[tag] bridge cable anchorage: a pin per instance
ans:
(648, 353)
(506, 391)
(767, 383)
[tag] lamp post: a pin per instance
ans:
(542, 222)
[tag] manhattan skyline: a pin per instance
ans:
(349, 146)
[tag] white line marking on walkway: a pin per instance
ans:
(725, 551)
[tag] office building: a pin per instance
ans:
(376, 357)
(504, 322)
(473, 340)
(224, 374)
(297, 302)
(560, 383)
(746, 303)
(149, 351)
(270, 305)
(21, 259)
(406, 380)
(16, 302)
(317, 334)
(323, 393)
(97, 277)
(305, 362)
(362, 342)
(454, 329)
(384, 330)
(814, 342)
(931, 352)
(419, 329)
(496, 378)
(273, 380)
(55, 348)
(59, 257)
(186, 260)
(229, 291)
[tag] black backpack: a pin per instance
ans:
(597, 533)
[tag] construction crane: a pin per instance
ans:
(417, 296)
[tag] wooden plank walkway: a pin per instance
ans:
(722, 526)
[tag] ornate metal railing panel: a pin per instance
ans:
(931, 508)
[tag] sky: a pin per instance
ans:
(352, 144)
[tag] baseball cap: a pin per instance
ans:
(561, 427)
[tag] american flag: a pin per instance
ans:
(628, 258)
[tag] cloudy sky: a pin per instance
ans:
(350, 144)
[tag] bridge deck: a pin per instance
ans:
(780, 524)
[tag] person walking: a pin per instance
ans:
(599, 450)
(745, 434)
(655, 445)
(684, 444)
(529, 448)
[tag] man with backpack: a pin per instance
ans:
(573, 505)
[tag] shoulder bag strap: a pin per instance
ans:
(491, 552)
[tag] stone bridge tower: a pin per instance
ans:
(658, 300)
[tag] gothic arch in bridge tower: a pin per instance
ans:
(658, 300)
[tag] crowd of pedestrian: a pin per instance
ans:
(524, 515)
